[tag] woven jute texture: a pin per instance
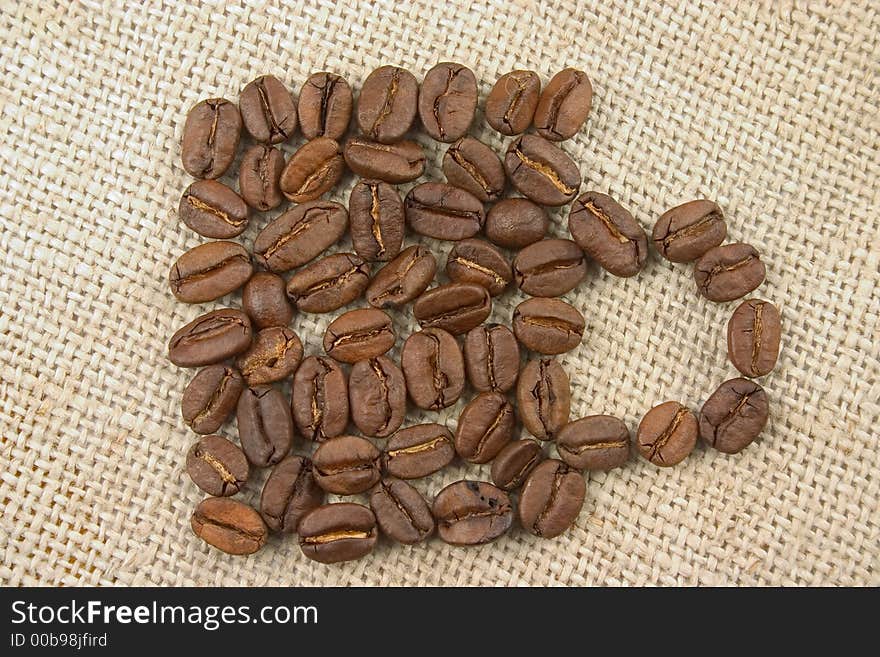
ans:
(770, 110)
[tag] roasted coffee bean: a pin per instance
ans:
(418, 451)
(325, 103)
(511, 104)
(447, 101)
(346, 465)
(402, 279)
(312, 170)
(320, 398)
(454, 307)
(210, 138)
(687, 231)
(472, 513)
(729, 272)
(514, 463)
(667, 434)
(217, 466)
(478, 262)
(734, 415)
(550, 268)
(265, 301)
(300, 234)
(543, 398)
(268, 110)
(289, 494)
(393, 163)
(274, 355)
(515, 223)
(211, 397)
(359, 335)
(210, 338)
(491, 356)
(433, 368)
(541, 170)
(484, 427)
(229, 525)
(338, 532)
(443, 211)
(387, 104)
(401, 511)
(753, 334)
(564, 106)
(608, 233)
(375, 211)
(210, 271)
(548, 326)
(475, 167)
(213, 210)
(259, 177)
(596, 442)
(265, 427)
(377, 396)
(551, 498)
(329, 283)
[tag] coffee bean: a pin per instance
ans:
(541, 170)
(472, 513)
(454, 307)
(447, 101)
(210, 397)
(564, 105)
(229, 525)
(543, 398)
(210, 138)
(210, 338)
(320, 398)
(259, 177)
(346, 465)
(443, 211)
(491, 356)
(734, 415)
(268, 110)
(478, 262)
(484, 427)
(393, 163)
(551, 498)
(359, 335)
(548, 326)
(213, 210)
(377, 396)
(375, 211)
(608, 233)
(338, 532)
(515, 223)
(401, 511)
(475, 167)
(729, 272)
(217, 466)
(687, 231)
(300, 234)
(550, 268)
(387, 104)
(325, 103)
(274, 355)
(402, 279)
(667, 434)
(312, 170)
(433, 368)
(596, 442)
(753, 334)
(418, 451)
(514, 463)
(290, 493)
(265, 301)
(511, 104)
(265, 427)
(210, 271)
(329, 283)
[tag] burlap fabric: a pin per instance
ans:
(771, 110)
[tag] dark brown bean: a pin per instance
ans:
(734, 415)
(265, 301)
(393, 163)
(338, 532)
(551, 498)
(753, 335)
(472, 513)
(359, 335)
(377, 396)
(268, 110)
(542, 171)
(550, 268)
(213, 210)
(608, 233)
(596, 442)
(401, 511)
(346, 465)
(320, 398)
(217, 466)
(484, 427)
(290, 493)
(312, 170)
(300, 234)
(515, 223)
(259, 177)
(329, 283)
(418, 451)
(402, 279)
(210, 271)
(729, 272)
(210, 138)
(564, 106)
(478, 262)
(229, 525)
(475, 167)
(491, 356)
(543, 398)
(511, 104)
(454, 307)
(514, 463)
(443, 211)
(387, 104)
(434, 368)
(548, 326)
(274, 355)
(447, 101)
(375, 212)
(210, 338)
(265, 427)
(211, 397)
(325, 103)
(667, 434)
(687, 231)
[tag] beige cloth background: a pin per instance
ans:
(772, 110)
